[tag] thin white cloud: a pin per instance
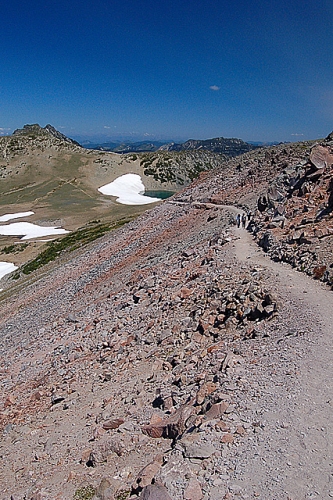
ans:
(4, 131)
(297, 134)
(105, 126)
(214, 87)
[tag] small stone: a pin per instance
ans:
(216, 410)
(240, 430)
(185, 293)
(235, 488)
(105, 490)
(227, 438)
(72, 319)
(56, 398)
(172, 426)
(222, 426)
(198, 449)
(205, 390)
(71, 476)
(85, 455)
(10, 400)
(193, 490)
(113, 424)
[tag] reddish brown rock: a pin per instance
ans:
(318, 272)
(172, 426)
(320, 157)
(227, 438)
(240, 430)
(185, 293)
(222, 426)
(113, 424)
(205, 390)
(10, 400)
(216, 410)
(193, 490)
(147, 474)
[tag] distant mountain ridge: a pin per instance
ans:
(229, 147)
(125, 147)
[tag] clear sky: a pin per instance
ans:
(253, 69)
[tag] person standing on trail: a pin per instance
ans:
(238, 220)
(244, 220)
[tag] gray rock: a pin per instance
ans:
(197, 449)
(155, 492)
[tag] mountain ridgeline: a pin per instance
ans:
(34, 155)
(229, 147)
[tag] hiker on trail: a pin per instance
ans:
(244, 220)
(238, 220)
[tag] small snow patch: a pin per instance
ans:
(27, 230)
(6, 268)
(18, 215)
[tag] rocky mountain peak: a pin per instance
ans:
(29, 129)
(59, 135)
(35, 130)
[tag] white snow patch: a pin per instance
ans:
(129, 190)
(28, 230)
(7, 217)
(6, 268)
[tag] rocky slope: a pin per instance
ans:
(136, 369)
(287, 190)
(294, 221)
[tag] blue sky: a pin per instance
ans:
(257, 70)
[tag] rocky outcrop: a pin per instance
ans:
(294, 220)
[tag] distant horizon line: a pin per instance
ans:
(135, 137)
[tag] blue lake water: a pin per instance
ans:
(159, 194)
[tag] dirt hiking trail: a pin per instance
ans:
(294, 458)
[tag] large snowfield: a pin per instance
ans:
(26, 230)
(129, 190)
